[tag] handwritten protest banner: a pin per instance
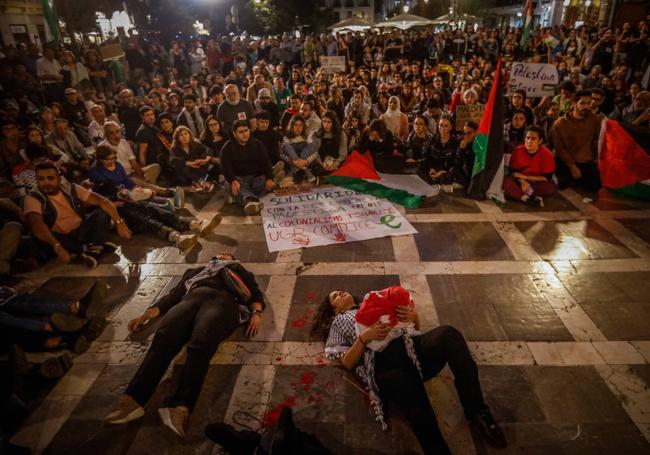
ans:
(538, 79)
(334, 64)
(465, 113)
(327, 216)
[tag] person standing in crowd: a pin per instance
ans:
(575, 138)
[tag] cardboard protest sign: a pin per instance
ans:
(538, 79)
(334, 64)
(326, 216)
(465, 113)
(112, 51)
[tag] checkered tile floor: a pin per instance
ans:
(553, 302)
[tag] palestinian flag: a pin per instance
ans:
(625, 159)
(51, 23)
(358, 173)
(488, 171)
(528, 23)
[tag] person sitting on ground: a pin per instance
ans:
(466, 154)
(394, 360)
(190, 161)
(297, 152)
(358, 107)
(531, 170)
(190, 116)
(311, 120)
(21, 315)
(575, 137)
(57, 218)
(247, 169)
(165, 137)
(202, 310)
(234, 108)
(75, 158)
(144, 211)
(24, 174)
(353, 129)
(383, 147)
(146, 138)
(514, 130)
(330, 143)
(395, 120)
(418, 142)
(295, 101)
(142, 176)
(264, 103)
(271, 139)
(443, 157)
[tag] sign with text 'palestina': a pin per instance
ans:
(538, 79)
(327, 216)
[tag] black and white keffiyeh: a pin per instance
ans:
(342, 336)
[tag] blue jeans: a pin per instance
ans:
(250, 186)
(297, 151)
(15, 313)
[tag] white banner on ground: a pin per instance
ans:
(326, 216)
(538, 79)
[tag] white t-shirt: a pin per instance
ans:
(124, 154)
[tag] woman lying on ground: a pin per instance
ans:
(381, 341)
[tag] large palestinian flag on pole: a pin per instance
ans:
(488, 171)
(528, 23)
(625, 159)
(51, 23)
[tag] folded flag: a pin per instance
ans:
(625, 158)
(488, 171)
(358, 173)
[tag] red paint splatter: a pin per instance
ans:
(279, 359)
(311, 296)
(307, 380)
(298, 323)
(272, 416)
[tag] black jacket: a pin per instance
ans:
(173, 297)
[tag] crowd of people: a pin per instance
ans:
(92, 145)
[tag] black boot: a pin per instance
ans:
(487, 426)
(234, 442)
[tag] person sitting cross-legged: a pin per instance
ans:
(531, 170)
(58, 219)
(142, 209)
(246, 167)
(297, 152)
(202, 310)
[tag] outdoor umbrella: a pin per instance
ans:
(352, 23)
(405, 21)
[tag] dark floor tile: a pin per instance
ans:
(311, 290)
(575, 395)
(524, 439)
(83, 436)
(640, 226)
(597, 438)
(460, 242)
(555, 203)
(568, 240)
(446, 203)
(642, 371)
(500, 384)
(373, 250)
(496, 307)
(609, 200)
(616, 302)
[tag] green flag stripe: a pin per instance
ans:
(480, 153)
(401, 197)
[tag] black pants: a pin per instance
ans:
(145, 217)
(202, 319)
(399, 382)
(94, 230)
(590, 179)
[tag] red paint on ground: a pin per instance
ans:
(307, 380)
(272, 416)
(298, 323)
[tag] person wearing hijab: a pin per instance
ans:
(395, 120)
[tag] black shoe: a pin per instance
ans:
(283, 434)
(18, 361)
(67, 323)
(234, 442)
(489, 429)
(94, 329)
(109, 248)
(90, 303)
(56, 367)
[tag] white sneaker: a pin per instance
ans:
(175, 419)
(185, 242)
(435, 190)
(253, 208)
(448, 188)
(126, 410)
(206, 226)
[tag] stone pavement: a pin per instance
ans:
(554, 302)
